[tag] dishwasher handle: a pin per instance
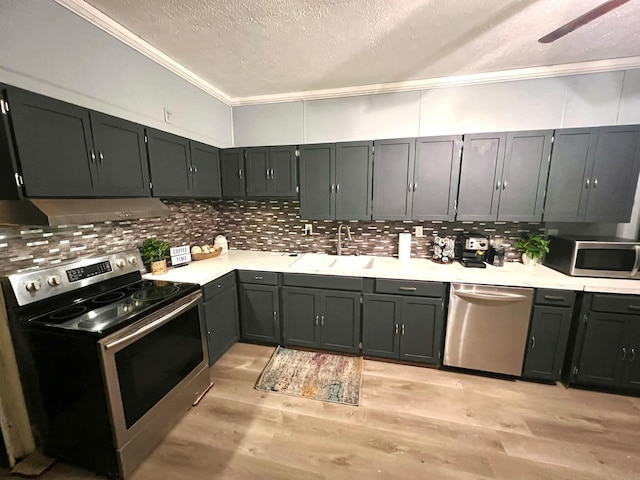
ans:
(494, 297)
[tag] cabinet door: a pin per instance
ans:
(170, 164)
(393, 179)
(257, 168)
(317, 182)
(615, 175)
(421, 330)
(232, 172)
(54, 145)
(284, 172)
(259, 313)
(205, 162)
(300, 317)
(354, 180)
(221, 316)
(380, 326)
(548, 337)
(524, 176)
(436, 175)
(631, 374)
(340, 321)
(481, 176)
(123, 167)
(602, 358)
(571, 164)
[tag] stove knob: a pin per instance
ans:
(120, 263)
(54, 280)
(33, 286)
(133, 260)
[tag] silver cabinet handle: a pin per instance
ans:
(634, 307)
(498, 185)
(331, 188)
(407, 289)
(415, 186)
(633, 355)
(337, 188)
(410, 186)
(267, 174)
(322, 320)
(100, 156)
(554, 298)
(240, 174)
(317, 319)
(595, 182)
(272, 172)
(533, 342)
(93, 156)
(397, 327)
(402, 329)
(275, 316)
(586, 183)
(190, 168)
(258, 278)
(624, 353)
(195, 169)
(209, 334)
(504, 184)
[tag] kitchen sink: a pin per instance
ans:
(338, 262)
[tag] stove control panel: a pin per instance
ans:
(33, 286)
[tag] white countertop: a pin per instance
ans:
(512, 274)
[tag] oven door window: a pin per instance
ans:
(150, 367)
(614, 260)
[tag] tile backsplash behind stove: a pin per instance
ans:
(252, 225)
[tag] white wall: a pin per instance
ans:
(47, 49)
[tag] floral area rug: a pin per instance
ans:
(321, 376)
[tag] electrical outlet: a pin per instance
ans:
(168, 114)
(418, 231)
(308, 229)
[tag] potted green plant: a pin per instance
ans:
(533, 247)
(155, 252)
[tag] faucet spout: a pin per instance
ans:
(348, 230)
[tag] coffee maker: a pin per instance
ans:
(470, 249)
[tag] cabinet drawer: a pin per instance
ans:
(218, 285)
(322, 281)
(616, 303)
(558, 298)
(255, 276)
(410, 287)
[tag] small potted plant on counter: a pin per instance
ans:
(533, 247)
(155, 252)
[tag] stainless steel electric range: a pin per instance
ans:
(109, 361)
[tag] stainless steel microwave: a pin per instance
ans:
(580, 256)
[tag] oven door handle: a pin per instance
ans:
(636, 264)
(166, 318)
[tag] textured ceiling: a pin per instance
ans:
(261, 47)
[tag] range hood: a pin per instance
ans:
(78, 211)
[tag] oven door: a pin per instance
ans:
(154, 370)
(607, 260)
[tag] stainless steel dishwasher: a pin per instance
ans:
(487, 328)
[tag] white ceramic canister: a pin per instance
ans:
(221, 241)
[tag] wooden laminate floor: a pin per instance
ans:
(412, 423)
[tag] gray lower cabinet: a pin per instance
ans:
(404, 328)
(503, 176)
(593, 174)
(607, 348)
(336, 181)
(221, 316)
(259, 313)
(327, 319)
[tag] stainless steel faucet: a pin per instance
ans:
(339, 249)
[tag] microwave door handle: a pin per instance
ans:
(166, 318)
(636, 264)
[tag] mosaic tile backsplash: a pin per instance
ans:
(249, 225)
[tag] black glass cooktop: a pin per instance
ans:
(103, 312)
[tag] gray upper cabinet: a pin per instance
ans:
(205, 171)
(481, 176)
(435, 178)
(524, 176)
(393, 179)
(354, 174)
(170, 164)
(256, 162)
(593, 174)
(317, 174)
(571, 163)
(615, 174)
(283, 171)
(232, 173)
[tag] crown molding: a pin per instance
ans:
(102, 21)
(113, 28)
(596, 66)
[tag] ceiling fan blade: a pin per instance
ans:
(582, 20)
